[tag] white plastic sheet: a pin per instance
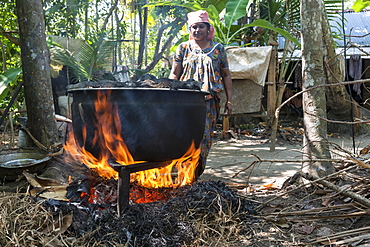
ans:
(249, 63)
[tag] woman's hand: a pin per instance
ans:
(228, 108)
(176, 71)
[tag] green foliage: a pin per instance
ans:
(82, 19)
(333, 9)
(235, 9)
(228, 32)
(63, 17)
(281, 14)
(359, 5)
(8, 77)
(219, 5)
(265, 24)
(10, 52)
(189, 5)
(89, 61)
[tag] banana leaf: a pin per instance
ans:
(6, 78)
(219, 5)
(268, 25)
(235, 9)
(190, 5)
(359, 5)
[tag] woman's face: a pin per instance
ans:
(199, 31)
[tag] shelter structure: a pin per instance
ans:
(353, 45)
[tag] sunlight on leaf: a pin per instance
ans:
(359, 5)
(6, 78)
(235, 9)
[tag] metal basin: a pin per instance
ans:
(158, 124)
(13, 164)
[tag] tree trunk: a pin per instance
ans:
(315, 145)
(36, 72)
(338, 100)
(143, 17)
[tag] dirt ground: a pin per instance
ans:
(230, 157)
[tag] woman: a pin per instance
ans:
(204, 60)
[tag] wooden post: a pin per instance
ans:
(273, 100)
(123, 189)
(123, 186)
(275, 119)
(271, 88)
(225, 126)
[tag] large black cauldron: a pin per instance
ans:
(158, 124)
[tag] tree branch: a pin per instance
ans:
(159, 55)
(339, 122)
(112, 8)
(7, 35)
(357, 36)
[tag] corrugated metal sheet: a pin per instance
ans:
(356, 27)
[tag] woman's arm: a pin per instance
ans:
(176, 71)
(226, 78)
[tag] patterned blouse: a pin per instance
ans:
(203, 65)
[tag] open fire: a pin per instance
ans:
(108, 138)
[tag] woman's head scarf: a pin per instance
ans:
(200, 16)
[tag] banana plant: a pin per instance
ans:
(10, 76)
(277, 17)
(227, 31)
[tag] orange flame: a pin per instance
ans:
(108, 136)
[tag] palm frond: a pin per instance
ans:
(85, 63)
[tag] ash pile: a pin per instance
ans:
(195, 214)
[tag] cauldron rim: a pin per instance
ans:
(138, 88)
